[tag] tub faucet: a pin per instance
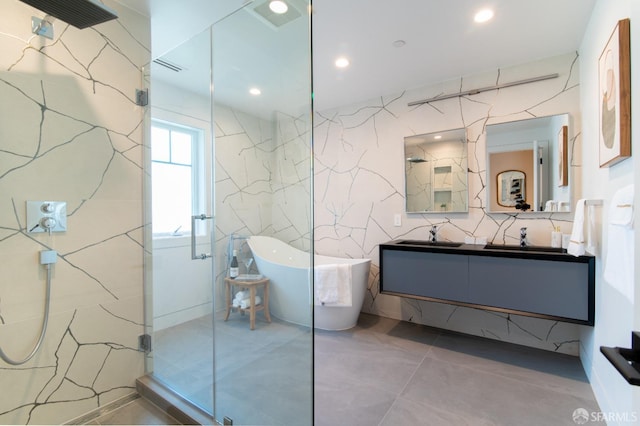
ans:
(523, 237)
(433, 231)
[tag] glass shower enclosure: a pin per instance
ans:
(229, 157)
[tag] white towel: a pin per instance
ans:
(241, 295)
(332, 285)
(246, 303)
(619, 266)
(621, 211)
(576, 244)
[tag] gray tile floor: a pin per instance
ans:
(263, 376)
(386, 372)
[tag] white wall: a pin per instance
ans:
(615, 318)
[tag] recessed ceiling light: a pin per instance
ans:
(255, 91)
(483, 16)
(437, 137)
(278, 6)
(399, 43)
(342, 62)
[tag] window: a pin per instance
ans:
(177, 184)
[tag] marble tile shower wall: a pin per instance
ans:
(291, 161)
(359, 186)
(262, 181)
(70, 131)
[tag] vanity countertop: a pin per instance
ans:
(493, 250)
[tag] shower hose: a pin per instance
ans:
(45, 320)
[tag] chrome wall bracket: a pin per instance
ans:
(144, 343)
(142, 97)
(42, 27)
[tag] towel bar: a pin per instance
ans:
(626, 361)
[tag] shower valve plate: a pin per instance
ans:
(46, 216)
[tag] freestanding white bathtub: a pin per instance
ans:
(291, 295)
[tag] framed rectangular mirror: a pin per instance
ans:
(537, 149)
(436, 172)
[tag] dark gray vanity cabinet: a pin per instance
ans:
(437, 275)
(554, 286)
(532, 285)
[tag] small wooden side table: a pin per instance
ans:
(252, 285)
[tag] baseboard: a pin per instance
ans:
(100, 411)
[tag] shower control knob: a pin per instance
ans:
(47, 208)
(46, 216)
(47, 223)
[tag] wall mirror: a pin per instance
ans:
(436, 172)
(531, 153)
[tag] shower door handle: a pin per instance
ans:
(195, 256)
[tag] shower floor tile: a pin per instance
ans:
(268, 368)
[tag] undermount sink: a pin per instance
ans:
(526, 248)
(429, 243)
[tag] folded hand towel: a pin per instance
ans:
(246, 303)
(576, 245)
(241, 295)
(332, 285)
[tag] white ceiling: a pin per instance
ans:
(442, 41)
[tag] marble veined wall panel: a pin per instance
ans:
(70, 131)
(359, 186)
(291, 160)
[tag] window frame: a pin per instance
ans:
(198, 184)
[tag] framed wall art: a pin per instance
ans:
(614, 72)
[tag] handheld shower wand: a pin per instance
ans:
(47, 258)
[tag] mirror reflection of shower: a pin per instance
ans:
(436, 172)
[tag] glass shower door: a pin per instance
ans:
(231, 116)
(262, 122)
(181, 314)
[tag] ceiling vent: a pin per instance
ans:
(167, 64)
(275, 19)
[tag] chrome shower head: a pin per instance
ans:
(79, 13)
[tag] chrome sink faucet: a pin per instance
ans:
(523, 237)
(433, 231)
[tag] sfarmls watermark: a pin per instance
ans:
(582, 416)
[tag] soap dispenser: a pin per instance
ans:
(556, 237)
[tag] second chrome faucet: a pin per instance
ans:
(434, 230)
(523, 237)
